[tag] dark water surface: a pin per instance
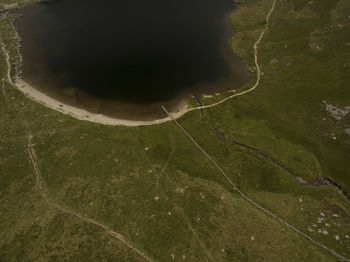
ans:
(125, 58)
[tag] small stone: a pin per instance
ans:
(252, 238)
(300, 200)
(347, 131)
(324, 232)
(156, 198)
(179, 190)
(322, 214)
(337, 238)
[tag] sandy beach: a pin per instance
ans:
(82, 114)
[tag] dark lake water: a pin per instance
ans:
(125, 58)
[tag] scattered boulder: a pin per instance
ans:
(347, 131)
(274, 61)
(337, 113)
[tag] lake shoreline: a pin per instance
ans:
(82, 114)
(181, 102)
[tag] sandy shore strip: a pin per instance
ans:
(82, 114)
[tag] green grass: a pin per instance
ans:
(106, 173)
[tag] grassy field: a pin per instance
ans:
(154, 187)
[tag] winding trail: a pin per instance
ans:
(8, 72)
(8, 75)
(43, 191)
(42, 187)
(258, 70)
(252, 202)
(82, 114)
(3, 88)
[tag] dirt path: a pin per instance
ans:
(8, 72)
(42, 187)
(43, 191)
(8, 63)
(3, 88)
(252, 202)
(194, 233)
(256, 45)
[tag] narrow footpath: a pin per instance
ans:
(43, 191)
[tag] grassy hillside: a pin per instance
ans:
(155, 188)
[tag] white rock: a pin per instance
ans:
(337, 237)
(322, 214)
(181, 190)
(324, 232)
(252, 238)
(300, 200)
